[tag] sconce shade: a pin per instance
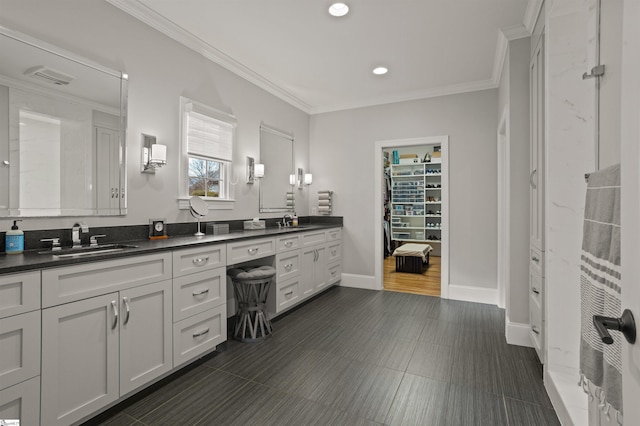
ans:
(308, 178)
(258, 170)
(292, 179)
(158, 154)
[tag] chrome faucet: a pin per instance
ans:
(75, 234)
(286, 220)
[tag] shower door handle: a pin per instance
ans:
(625, 324)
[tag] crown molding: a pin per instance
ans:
(453, 89)
(179, 34)
(531, 14)
(505, 35)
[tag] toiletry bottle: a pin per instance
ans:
(14, 240)
(294, 221)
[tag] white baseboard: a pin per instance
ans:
(567, 398)
(517, 334)
(473, 294)
(367, 282)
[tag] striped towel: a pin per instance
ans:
(600, 288)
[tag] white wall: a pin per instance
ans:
(160, 70)
(342, 159)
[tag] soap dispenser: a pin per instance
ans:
(14, 240)
(295, 219)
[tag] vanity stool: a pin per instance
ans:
(251, 287)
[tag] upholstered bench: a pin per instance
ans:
(412, 257)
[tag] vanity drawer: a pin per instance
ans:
(288, 242)
(311, 238)
(188, 261)
(287, 294)
(287, 265)
(198, 334)
(19, 348)
(70, 283)
(22, 402)
(535, 285)
(535, 260)
(334, 234)
(19, 293)
(536, 330)
(199, 292)
(243, 251)
(334, 251)
(334, 273)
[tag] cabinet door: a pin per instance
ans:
(307, 270)
(80, 360)
(321, 277)
(145, 334)
(536, 154)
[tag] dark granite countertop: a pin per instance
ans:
(31, 260)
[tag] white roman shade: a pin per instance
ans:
(209, 132)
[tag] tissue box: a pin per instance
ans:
(250, 224)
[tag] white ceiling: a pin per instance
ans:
(319, 63)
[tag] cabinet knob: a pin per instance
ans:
(535, 329)
(535, 259)
(535, 290)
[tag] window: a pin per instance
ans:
(208, 137)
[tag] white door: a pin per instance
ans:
(630, 209)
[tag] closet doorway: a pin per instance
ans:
(413, 206)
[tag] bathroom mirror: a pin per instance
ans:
(62, 132)
(276, 153)
(199, 209)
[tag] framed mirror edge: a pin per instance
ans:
(289, 137)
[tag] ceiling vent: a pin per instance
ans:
(50, 75)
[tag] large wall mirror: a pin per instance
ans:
(62, 132)
(276, 153)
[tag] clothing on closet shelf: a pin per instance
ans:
(600, 290)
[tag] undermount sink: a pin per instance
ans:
(88, 251)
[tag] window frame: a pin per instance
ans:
(226, 201)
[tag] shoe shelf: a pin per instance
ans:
(413, 188)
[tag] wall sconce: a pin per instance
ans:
(250, 170)
(154, 155)
(308, 179)
(300, 177)
(292, 179)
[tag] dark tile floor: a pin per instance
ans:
(359, 357)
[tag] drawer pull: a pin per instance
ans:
(288, 294)
(535, 329)
(201, 292)
(114, 306)
(535, 290)
(201, 333)
(535, 259)
(200, 261)
(288, 266)
(253, 250)
(288, 243)
(333, 273)
(333, 252)
(127, 307)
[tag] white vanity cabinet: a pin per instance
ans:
(20, 347)
(100, 348)
(286, 291)
(199, 301)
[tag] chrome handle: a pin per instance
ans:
(535, 259)
(288, 266)
(201, 261)
(201, 292)
(535, 290)
(289, 293)
(253, 250)
(55, 243)
(201, 333)
(533, 173)
(333, 252)
(113, 191)
(127, 307)
(288, 243)
(535, 329)
(333, 273)
(6, 162)
(122, 193)
(117, 192)
(114, 306)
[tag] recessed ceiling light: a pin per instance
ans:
(380, 70)
(338, 9)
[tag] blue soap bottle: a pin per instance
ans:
(14, 240)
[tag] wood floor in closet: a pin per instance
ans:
(427, 283)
